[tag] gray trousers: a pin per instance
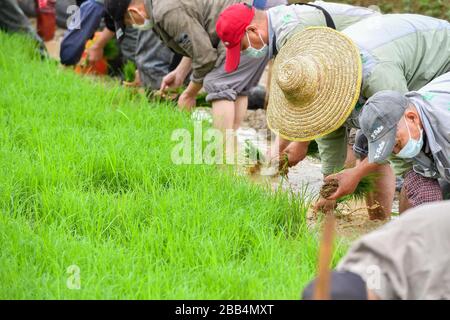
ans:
(153, 59)
(12, 19)
(151, 56)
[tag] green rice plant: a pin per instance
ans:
(88, 191)
(172, 95)
(252, 153)
(129, 71)
(111, 50)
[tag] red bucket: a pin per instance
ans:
(46, 19)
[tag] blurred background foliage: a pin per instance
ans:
(435, 8)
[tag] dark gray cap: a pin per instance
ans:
(379, 119)
(344, 285)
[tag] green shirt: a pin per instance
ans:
(188, 27)
(287, 20)
(401, 52)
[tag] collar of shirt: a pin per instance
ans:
(272, 38)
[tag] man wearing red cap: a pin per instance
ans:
(248, 32)
(188, 27)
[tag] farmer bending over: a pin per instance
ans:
(12, 19)
(253, 37)
(407, 259)
(413, 126)
(152, 58)
(322, 79)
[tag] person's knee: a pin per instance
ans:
(419, 190)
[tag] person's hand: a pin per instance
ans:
(324, 205)
(172, 80)
(187, 101)
(94, 54)
(348, 182)
(296, 152)
(279, 162)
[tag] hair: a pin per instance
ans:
(260, 16)
(136, 2)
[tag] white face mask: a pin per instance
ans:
(413, 147)
(141, 27)
(256, 53)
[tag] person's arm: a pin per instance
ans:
(73, 44)
(192, 38)
(188, 98)
(350, 178)
(95, 52)
(385, 76)
(333, 152)
(175, 79)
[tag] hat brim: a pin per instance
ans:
(340, 73)
(233, 58)
(381, 149)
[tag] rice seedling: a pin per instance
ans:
(129, 71)
(365, 187)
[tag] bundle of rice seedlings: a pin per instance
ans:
(365, 187)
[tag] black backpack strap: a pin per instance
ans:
(328, 18)
(274, 46)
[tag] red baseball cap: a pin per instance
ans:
(231, 28)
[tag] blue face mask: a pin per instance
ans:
(256, 53)
(413, 147)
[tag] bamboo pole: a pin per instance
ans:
(322, 289)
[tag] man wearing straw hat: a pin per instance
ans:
(260, 34)
(412, 126)
(322, 78)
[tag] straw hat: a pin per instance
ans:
(315, 84)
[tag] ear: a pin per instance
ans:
(140, 8)
(252, 28)
(412, 115)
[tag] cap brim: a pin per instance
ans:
(381, 149)
(233, 59)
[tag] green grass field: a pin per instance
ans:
(86, 179)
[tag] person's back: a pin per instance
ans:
(204, 13)
(288, 19)
(408, 258)
(399, 47)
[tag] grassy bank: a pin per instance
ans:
(86, 179)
